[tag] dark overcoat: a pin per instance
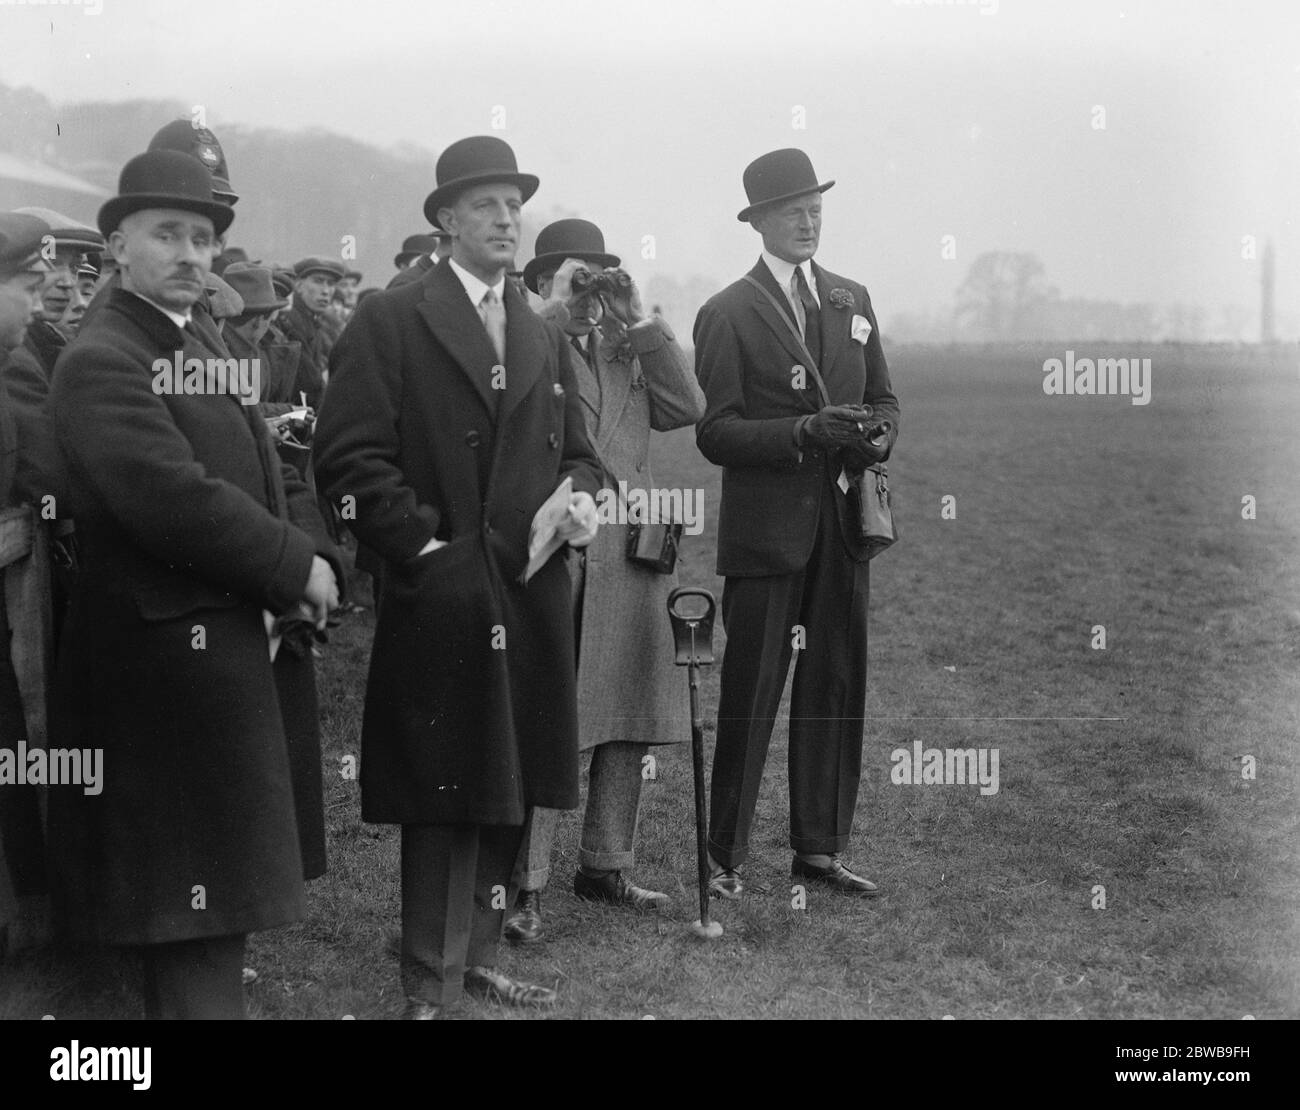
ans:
(746, 362)
(629, 689)
(189, 534)
(470, 712)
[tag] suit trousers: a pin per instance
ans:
(195, 979)
(456, 884)
(828, 600)
(608, 825)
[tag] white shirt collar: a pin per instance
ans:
(175, 317)
(474, 287)
(783, 271)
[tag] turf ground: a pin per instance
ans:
(1119, 768)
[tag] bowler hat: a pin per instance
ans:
(780, 175)
(253, 283)
(413, 246)
(20, 244)
(164, 179)
(475, 161)
(202, 144)
(318, 265)
(69, 234)
(563, 239)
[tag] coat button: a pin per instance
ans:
(473, 438)
(553, 440)
(640, 467)
(487, 528)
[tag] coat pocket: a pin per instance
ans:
(161, 599)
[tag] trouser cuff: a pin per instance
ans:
(728, 857)
(606, 860)
(819, 845)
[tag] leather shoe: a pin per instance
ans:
(421, 1011)
(524, 926)
(485, 982)
(725, 883)
(836, 876)
(613, 888)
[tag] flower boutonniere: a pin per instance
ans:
(841, 298)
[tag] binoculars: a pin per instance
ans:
(611, 281)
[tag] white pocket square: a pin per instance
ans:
(860, 330)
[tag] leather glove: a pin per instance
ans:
(862, 455)
(835, 426)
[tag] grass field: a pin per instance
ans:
(1119, 768)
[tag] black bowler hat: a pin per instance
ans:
(780, 175)
(563, 239)
(475, 161)
(164, 179)
(202, 144)
(413, 246)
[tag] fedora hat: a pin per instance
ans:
(228, 258)
(253, 283)
(224, 300)
(315, 264)
(475, 161)
(563, 239)
(413, 246)
(779, 175)
(200, 143)
(164, 179)
(282, 280)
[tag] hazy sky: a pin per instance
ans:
(963, 119)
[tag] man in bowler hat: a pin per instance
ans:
(199, 560)
(419, 255)
(452, 417)
(795, 571)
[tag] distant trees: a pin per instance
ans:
(1003, 296)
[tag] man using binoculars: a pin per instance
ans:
(796, 573)
(632, 378)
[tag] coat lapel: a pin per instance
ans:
(456, 324)
(525, 348)
(835, 324)
(768, 314)
(615, 388)
(588, 386)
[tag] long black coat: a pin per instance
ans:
(188, 533)
(470, 709)
(744, 359)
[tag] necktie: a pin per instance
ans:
(493, 313)
(810, 317)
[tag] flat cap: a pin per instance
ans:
(21, 237)
(69, 234)
(318, 265)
